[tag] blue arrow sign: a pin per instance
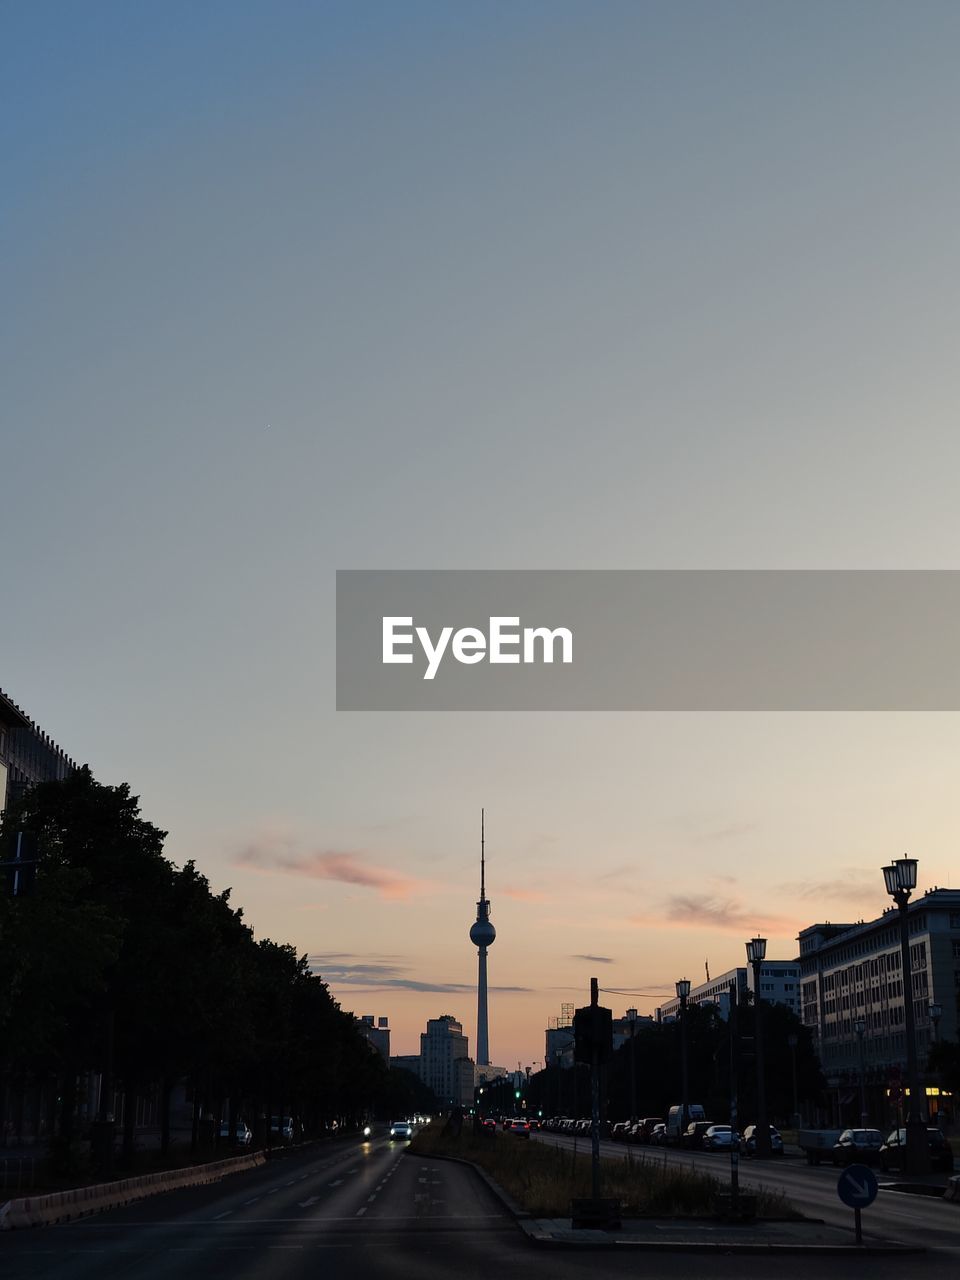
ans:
(857, 1186)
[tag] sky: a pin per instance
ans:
(294, 287)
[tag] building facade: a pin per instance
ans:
(716, 992)
(378, 1033)
(445, 1062)
(853, 972)
(779, 984)
(27, 754)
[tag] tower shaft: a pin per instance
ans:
(483, 1041)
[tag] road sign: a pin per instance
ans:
(857, 1186)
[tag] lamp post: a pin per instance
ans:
(860, 1027)
(793, 1040)
(936, 1013)
(683, 990)
(756, 952)
(632, 1019)
(900, 879)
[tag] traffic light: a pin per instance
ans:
(516, 1093)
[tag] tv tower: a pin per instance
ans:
(482, 935)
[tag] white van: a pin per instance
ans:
(675, 1124)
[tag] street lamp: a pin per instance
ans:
(632, 1020)
(793, 1040)
(860, 1027)
(756, 952)
(900, 879)
(683, 990)
(936, 1013)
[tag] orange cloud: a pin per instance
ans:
(346, 868)
(523, 895)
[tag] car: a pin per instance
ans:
(645, 1128)
(619, 1131)
(658, 1136)
(519, 1128)
(692, 1136)
(401, 1129)
(719, 1137)
(748, 1141)
(282, 1127)
(891, 1153)
(857, 1146)
(489, 1125)
(243, 1136)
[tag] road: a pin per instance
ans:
(361, 1212)
(911, 1219)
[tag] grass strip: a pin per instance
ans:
(543, 1178)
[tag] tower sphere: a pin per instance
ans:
(482, 933)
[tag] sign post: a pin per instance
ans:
(857, 1188)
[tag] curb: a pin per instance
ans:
(64, 1206)
(545, 1241)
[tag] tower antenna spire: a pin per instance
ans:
(483, 892)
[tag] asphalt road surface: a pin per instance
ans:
(910, 1219)
(363, 1212)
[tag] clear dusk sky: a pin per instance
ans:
(297, 286)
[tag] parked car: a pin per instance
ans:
(675, 1121)
(748, 1141)
(645, 1128)
(281, 1127)
(892, 1151)
(620, 1131)
(658, 1136)
(519, 1128)
(243, 1137)
(719, 1137)
(401, 1129)
(694, 1133)
(858, 1146)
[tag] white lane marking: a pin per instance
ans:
(253, 1201)
(370, 1199)
(226, 1214)
(305, 1204)
(360, 1211)
(338, 1183)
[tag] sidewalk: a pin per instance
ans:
(702, 1235)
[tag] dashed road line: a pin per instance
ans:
(226, 1214)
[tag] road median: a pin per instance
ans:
(65, 1206)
